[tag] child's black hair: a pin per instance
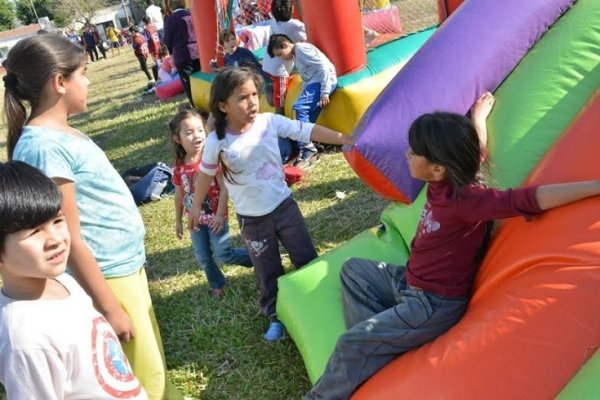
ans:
(281, 10)
(451, 141)
(28, 198)
(277, 42)
(222, 88)
(174, 128)
(29, 67)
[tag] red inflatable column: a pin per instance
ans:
(204, 16)
(447, 7)
(296, 10)
(334, 26)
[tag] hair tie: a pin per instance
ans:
(10, 81)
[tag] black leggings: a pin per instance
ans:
(185, 70)
(92, 52)
(144, 67)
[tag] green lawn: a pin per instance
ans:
(214, 348)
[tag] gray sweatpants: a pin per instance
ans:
(385, 318)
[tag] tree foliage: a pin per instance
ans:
(25, 12)
(7, 15)
(78, 10)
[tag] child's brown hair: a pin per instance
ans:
(225, 35)
(222, 88)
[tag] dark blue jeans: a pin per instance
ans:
(208, 246)
(385, 318)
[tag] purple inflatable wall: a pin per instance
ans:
(448, 73)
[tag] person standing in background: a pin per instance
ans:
(99, 41)
(90, 43)
(180, 40)
(154, 13)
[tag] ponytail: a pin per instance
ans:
(220, 125)
(30, 65)
(15, 114)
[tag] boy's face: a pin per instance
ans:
(285, 52)
(230, 44)
(38, 253)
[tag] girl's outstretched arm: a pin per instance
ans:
(201, 186)
(86, 268)
(556, 195)
(321, 134)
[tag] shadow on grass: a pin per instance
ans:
(333, 223)
(220, 340)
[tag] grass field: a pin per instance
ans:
(214, 348)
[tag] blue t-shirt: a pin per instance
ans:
(243, 57)
(111, 224)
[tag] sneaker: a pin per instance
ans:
(217, 293)
(274, 333)
(307, 162)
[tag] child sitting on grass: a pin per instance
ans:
(54, 344)
(319, 81)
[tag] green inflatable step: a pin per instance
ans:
(309, 302)
(586, 384)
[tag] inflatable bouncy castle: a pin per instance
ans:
(532, 327)
(342, 32)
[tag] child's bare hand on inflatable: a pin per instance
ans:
(324, 100)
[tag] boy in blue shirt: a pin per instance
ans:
(236, 56)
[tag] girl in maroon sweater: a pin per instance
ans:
(389, 309)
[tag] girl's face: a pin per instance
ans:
(40, 252)
(241, 107)
(423, 169)
(191, 135)
(76, 90)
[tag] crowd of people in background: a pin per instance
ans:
(169, 26)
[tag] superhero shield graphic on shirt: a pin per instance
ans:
(110, 364)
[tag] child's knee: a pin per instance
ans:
(350, 266)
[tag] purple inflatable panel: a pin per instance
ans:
(473, 51)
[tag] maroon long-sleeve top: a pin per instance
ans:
(451, 232)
